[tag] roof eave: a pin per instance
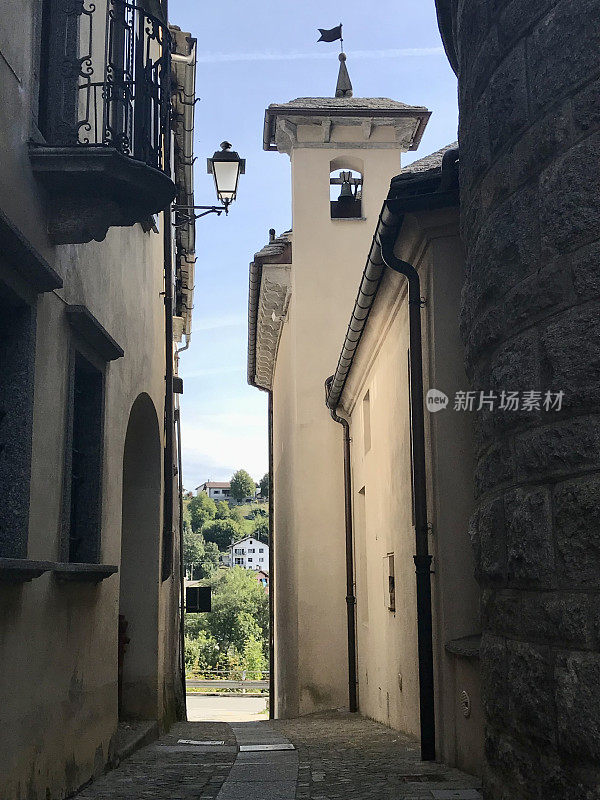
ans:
(421, 114)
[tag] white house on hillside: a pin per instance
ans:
(217, 490)
(250, 553)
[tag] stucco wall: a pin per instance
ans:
(58, 641)
(377, 391)
(529, 133)
(328, 257)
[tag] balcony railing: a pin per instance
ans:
(105, 117)
(127, 109)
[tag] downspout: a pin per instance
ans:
(167, 549)
(350, 596)
(181, 568)
(271, 568)
(422, 558)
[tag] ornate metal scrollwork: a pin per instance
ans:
(127, 106)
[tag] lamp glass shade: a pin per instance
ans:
(226, 175)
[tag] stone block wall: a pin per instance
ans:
(529, 93)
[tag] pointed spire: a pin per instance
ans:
(344, 87)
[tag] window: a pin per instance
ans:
(84, 468)
(391, 582)
(261, 549)
(366, 412)
(217, 491)
(249, 560)
(261, 560)
(239, 560)
(17, 353)
(251, 550)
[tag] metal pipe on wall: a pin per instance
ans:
(167, 548)
(271, 568)
(181, 567)
(422, 558)
(350, 596)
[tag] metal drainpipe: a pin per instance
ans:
(350, 596)
(181, 568)
(422, 557)
(167, 549)
(271, 569)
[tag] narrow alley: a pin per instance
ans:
(335, 755)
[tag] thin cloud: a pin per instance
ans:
(208, 371)
(219, 58)
(214, 323)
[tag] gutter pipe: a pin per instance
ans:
(167, 549)
(350, 596)
(271, 567)
(255, 278)
(422, 558)
(181, 567)
(381, 255)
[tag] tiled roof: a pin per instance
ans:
(432, 161)
(351, 103)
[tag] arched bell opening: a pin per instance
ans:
(345, 188)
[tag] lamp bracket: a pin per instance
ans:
(218, 210)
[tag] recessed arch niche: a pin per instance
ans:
(140, 564)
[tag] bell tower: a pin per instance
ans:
(344, 150)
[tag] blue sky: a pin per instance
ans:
(252, 54)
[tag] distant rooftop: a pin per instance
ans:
(344, 104)
(214, 485)
(432, 161)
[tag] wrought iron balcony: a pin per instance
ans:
(105, 116)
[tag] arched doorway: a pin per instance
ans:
(140, 540)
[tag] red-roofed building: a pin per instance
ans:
(217, 490)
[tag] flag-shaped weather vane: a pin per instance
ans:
(344, 86)
(332, 35)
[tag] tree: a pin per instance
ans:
(201, 652)
(200, 558)
(223, 511)
(212, 556)
(220, 531)
(240, 610)
(264, 485)
(242, 485)
(254, 659)
(261, 529)
(193, 549)
(236, 515)
(201, 508)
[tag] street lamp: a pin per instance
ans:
(226, 167)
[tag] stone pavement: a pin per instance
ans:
(336, 756)
(343, 756)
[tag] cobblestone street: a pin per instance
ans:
(337, 755)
